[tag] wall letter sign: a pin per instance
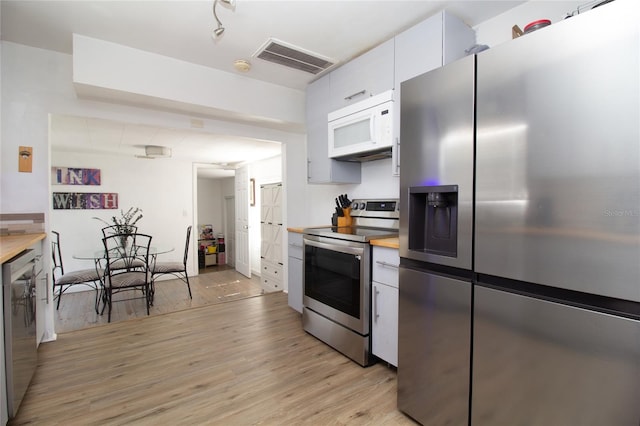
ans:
(74, 176)
(85, 200)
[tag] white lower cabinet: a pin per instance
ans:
(295, 279)
(271, 276)
(384, 340)
(384, 304)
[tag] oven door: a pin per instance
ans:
(337, 281)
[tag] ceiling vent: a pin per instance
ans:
(291, 56)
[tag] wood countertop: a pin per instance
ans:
(301, 230)
(296, 230)
(393, 243)
(12, 245)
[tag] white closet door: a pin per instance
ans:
(266, 208)
(276, 203)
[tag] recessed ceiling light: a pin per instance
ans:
(242, 65)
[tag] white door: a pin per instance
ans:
(271, 218)
(230, 230)
(243, 258)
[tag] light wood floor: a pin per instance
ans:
(218, 284)
(239, 363)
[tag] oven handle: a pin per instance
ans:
(356, 251)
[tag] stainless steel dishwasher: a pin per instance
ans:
(19, 278)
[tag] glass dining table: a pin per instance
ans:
(98, 255)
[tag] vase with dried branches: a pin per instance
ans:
(125, 224)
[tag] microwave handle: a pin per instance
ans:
(372, 128)
(348, 98)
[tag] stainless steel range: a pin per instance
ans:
(337, 277)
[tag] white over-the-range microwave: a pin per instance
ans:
(362, 131)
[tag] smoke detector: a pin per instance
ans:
(242, 65)
(155, 151)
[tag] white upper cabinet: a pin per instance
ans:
(367, 75)
(321, 168)
(434, 42)
(438, 40)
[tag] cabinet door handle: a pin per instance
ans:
(348, 98)
(375, 303)
(386, 264)
(397, 154)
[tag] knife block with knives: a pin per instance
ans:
(345, 219)
(343, 211)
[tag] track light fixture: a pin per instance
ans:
(229, 4)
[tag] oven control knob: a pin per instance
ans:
(354, 206)
(362, 206)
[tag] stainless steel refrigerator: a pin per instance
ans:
(520, 230)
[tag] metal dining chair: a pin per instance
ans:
(177, 269)
(116, 230)
(63, 281)
(122, 252)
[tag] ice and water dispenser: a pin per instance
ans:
(433, 219)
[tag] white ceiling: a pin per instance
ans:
(339, 30)
(215, 154)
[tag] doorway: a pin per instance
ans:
(230, 229)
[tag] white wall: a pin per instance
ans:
(228, 190)
(115, 69)
(295, 178)
(497, 30)
(227, 186)
(313, 205)
(161, 188)
(210, 203)
(37, 83)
